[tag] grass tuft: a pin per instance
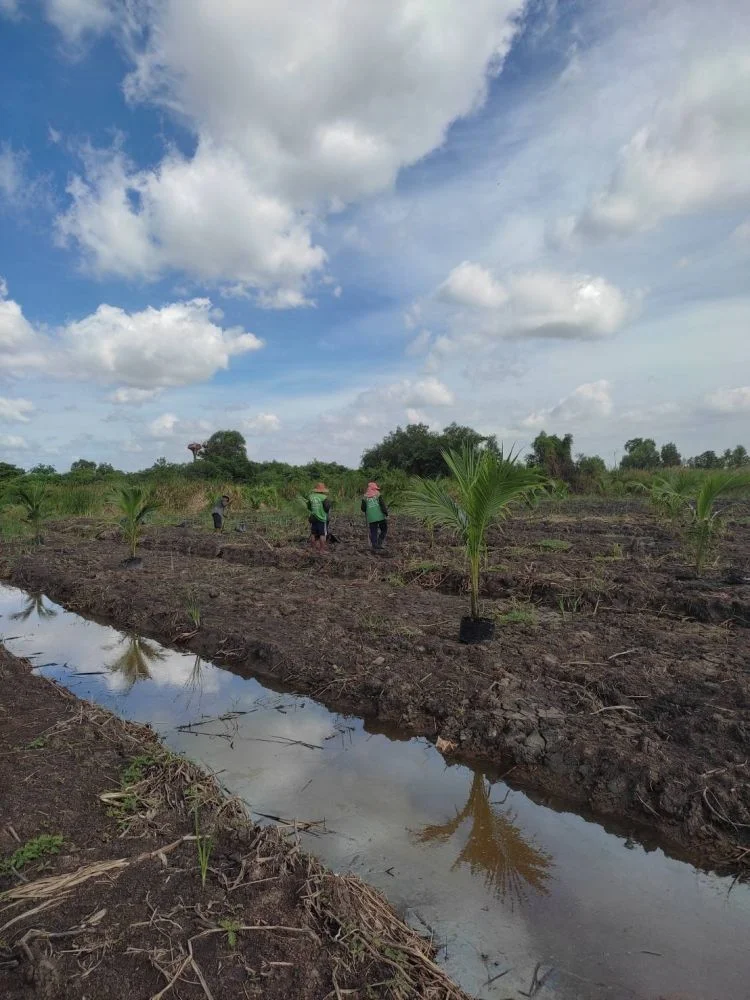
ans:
(555, 545)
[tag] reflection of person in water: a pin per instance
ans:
(495, 846)
(134, 662)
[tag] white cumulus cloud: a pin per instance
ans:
(296, 114)
(15, 409)
(472, 308)
(473, 285)
(133, 397)
(178, 344)
(13, 442)
(692, 155)
(589, 401)
(729, 401)
(261, 423)
(205, 216)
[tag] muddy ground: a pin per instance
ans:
(101, 894)
(617, 680)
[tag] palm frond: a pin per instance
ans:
(715, 485)
(428, 500)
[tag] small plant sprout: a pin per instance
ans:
(135, 504)
(193, 609)
(204, 844)
(231, 927)
(34, 498)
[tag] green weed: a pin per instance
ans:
(37, 744)
(136, 769)
(395, 580)
(518, 615)
(231, 927)
(204, 845)
(193, 610)
(555, 545)
(33, 850)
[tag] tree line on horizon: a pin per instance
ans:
(414, 450)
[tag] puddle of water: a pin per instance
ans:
(506, 885)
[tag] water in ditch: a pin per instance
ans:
(522, 899)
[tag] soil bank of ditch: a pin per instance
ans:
(101, 892)
(636, 713)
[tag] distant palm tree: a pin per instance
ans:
(494, 847)
(135, 504)
(484, 484)
(135, 661)
(34, 605)
(34, 498)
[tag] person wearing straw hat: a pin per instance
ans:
(374, 508)
(319, 506)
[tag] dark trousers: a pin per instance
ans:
(378, 531)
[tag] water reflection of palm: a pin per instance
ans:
(495, 847)
(34, 605)
(135, 661)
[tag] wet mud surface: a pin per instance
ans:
(115, 906)
(617, 680)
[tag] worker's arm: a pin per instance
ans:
(327, 506)
(383, 507)
(363, 506)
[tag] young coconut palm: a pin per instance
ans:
(34, 498)
(704, 522)
(135, 503)
(481, 490)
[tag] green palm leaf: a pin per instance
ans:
(482, 487)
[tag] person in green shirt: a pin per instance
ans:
(320, 507)
(374, 508)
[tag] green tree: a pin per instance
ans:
(737, 457)
(554, 456)
(415, 449)
(8, 471)
(43, 470)
(483, 486)
(640, 453)
(224, 456)
(135, 503)
(84, 465)
(670, 456)
(707, 460)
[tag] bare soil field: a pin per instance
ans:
(617, 680)
(101, 889)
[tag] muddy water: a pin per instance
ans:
(515, 893)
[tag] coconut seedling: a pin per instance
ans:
(34, 498)
(704, 519)
(481, 490)
(134, 503)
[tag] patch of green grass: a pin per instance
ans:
(395, 580)
(43, 846)
(37, 743)
(555, 545)
(519, 550)
(136, 769)
(425, 566)
(521, 614)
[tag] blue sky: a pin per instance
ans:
(315, 222)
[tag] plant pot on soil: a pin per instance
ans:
(474, 630)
